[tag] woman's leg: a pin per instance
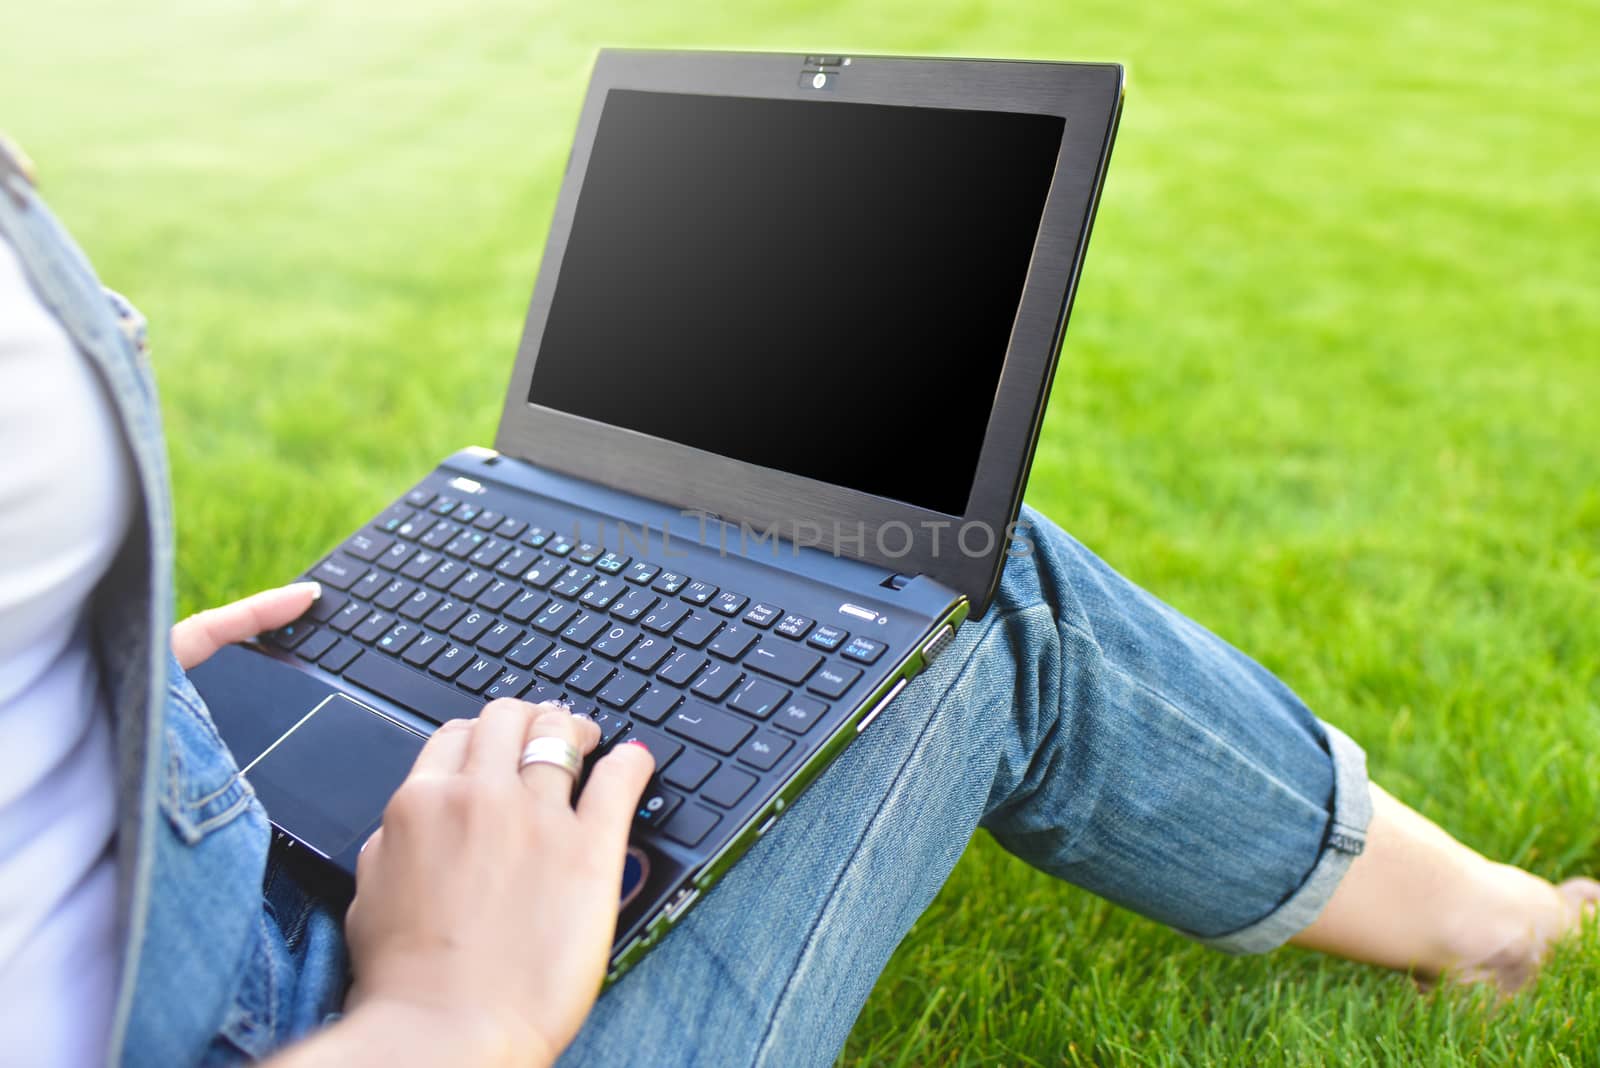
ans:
(1100, 736)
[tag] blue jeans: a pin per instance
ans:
(1098, 734)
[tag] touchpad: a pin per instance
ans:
(328, 779)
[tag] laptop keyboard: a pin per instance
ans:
(440, 606)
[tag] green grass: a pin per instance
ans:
(1330, 388)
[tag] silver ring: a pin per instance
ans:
(558, 751)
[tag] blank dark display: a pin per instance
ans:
(818, 287)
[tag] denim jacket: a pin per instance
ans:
(210, 970)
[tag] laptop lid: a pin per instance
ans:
(820, 296)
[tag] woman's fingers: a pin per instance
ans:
(611, 796)
(202, 634)
(445, 751)
(551, 783)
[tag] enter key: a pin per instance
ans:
(704, 725)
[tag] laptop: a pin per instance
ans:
(765, 439)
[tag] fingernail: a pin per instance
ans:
(314, 587)
(641, 745)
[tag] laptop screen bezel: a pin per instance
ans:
(891, 533)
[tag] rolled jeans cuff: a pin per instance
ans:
(1346, 837)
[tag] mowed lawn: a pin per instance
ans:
(1332, 386)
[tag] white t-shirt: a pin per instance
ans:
(66, 486)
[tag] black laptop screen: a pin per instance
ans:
(818, 287)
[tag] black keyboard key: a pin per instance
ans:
(509, 684)
(758, 698)
(394, 595)
(419, 497)
(488, 519)
(799, 714)
(498, 593)
(642, 573)
(327, 606)
(419, 604)
(466, 512)
(691, 824)
(439, 535)
(536, 536)
(498, 638)
(555, 616)
(648, 653)
(728, 603)
(471, 627)
(865, 650)
(656, 806)
(664, 617)
(611, 563)
(700, 627)
(827, 638)
(406, 688)
(586, 554)
(509, 528)
(590, 676)
(690, 770)
(698, 593)
(833, 680)
(371, 584)
(764, 751)
(451, 662)
(516, 562)
(682, 667)
(655, 704)
(290, 635)
(581, 631)
(793, 626)
(338, 658)
(557, 663)
(400, 635)
(416, 526)
(349, 617)
(661, 747)
(572, 582)
(338, 572)
(633, 604)
(365, 546)
(466, 543)
(446, 574)
(727, 787)
(611, 727)
(390, 518)
(373, 626)
(604, 590)
(615, 641)
(424, 649)
(527, 652)
(542, 572)
(421, 564)
(669, 583)
(621, 691)
(733, 641)
(445, 615)
(395, 557)
(559, 545)
(526, 606)
(541, 692)
(480, 673)
(707, 726)
(783, 661)
(762, 615)
(715, 681)
(490, 553)
(444, 505)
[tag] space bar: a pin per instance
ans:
(409, 690)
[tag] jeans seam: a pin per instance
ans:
(833, 889)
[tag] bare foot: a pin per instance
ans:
(1506, 941)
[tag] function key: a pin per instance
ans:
(466, 513)
(586, 553)
(729, 603)
(864, 650)
(419, 497)
(611, 563)
(794, 626)
(642, 573)
(827, 638)
(444, 506)
(536, 537)
(697, 592)
(833, 681)
(762, 615)
(670, 582)
(509, 528)
(559, 545)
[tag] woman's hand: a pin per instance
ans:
(202, 634)
(485, 906)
